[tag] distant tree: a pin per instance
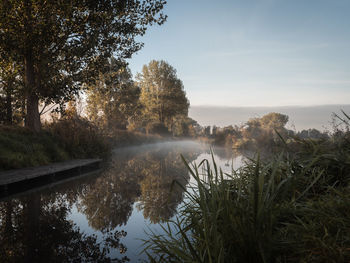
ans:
(274, 120)
(214, 130)
(114, 98)
(207, 131)
(261, 132)
(63, 44)
(312, 134)
(162, 93)
(226, 135)
(185, 126)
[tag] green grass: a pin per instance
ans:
(60, 141)
(21, 148)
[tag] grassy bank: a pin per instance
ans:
(295, 207)
(64, 140)
(20, 147)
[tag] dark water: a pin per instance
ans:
(102, 216)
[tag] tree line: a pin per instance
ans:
(51, 50)
(155, 102)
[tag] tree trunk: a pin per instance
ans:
(33, 117)
(8, 106)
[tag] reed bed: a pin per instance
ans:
(293, 207)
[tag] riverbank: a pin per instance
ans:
(62, 141)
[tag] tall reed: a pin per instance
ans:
(292, 208)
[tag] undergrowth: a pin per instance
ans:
(20, 147)
(293, 207)
(59, 141)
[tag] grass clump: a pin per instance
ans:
(293, 207)
(263, 212)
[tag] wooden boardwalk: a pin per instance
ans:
(27, 174)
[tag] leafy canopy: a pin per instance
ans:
(162, 93)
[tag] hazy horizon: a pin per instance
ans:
(300, 117)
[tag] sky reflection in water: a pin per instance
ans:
(104, 216)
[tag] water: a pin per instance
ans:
(103, 216)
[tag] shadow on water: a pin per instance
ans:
(99, 218)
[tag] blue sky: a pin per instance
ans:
(255, 52)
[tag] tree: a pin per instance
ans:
(185, 126)
(63, 44)
(162, 93)
(262, 132)
(10, 90)
(115, 97)
(274, 120)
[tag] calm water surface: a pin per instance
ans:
(102, 216)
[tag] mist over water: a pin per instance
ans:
(300, 117)
(133, 194)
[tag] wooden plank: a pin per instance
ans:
(18, 175)
(35, 189)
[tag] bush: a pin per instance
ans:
(79, 138)
(157, 128)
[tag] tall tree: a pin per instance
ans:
(162, 93)
(10, 90)
(114, 98)
(63, 43)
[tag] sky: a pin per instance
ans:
(255, 52)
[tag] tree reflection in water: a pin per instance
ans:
(160, 187)
(143, 175)
(36, 227)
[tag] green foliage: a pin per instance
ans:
(79, 138)
(19, 147)
(157, 128)
(11, 92)
(256, 133)
(184, 126)
(261, 132)
(162, 93)
(293, 207)
(64, 44)
(59, 141)
(114, 99)
(226, 136)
